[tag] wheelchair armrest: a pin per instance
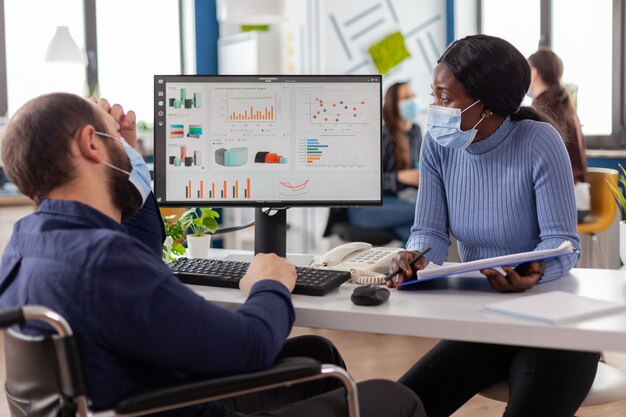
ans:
(195, 391)
(11, 316)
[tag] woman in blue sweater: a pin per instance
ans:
(497, 177)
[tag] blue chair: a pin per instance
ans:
(339, 224)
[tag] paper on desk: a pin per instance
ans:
(556, 307)
(433, 271)
(434, 266)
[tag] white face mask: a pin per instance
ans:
(444, 125)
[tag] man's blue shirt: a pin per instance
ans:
(135, 323)
(147, 225)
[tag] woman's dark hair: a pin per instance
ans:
(391, 117)
(494, 72)
(36, 143)
(550, 69)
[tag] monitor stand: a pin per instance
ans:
(270, 234)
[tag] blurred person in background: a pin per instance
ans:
(402, 140)
(552, 98)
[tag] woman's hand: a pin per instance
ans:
(522, 278)
(400, 261)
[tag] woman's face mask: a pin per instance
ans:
(444, 125)
(409, 108)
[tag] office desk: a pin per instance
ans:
(452, 309)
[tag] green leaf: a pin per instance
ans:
(617, 190)
(210, 224)
(207, 212)
(178, 248)
(198, 221)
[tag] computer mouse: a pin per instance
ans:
(369, 295)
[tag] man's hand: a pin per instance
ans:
(127, 121)
(522, 278)
(268, 266)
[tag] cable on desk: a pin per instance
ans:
(233, 228)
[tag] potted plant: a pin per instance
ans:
(199, 223)
(174, 237)
(619, 190)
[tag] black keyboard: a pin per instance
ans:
(220, 273)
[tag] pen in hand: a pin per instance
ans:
(411, 262)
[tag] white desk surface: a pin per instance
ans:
(453, 309)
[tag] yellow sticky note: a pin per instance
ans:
(389, 52)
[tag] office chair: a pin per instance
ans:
(609, 386)
(44, 376)
(173, 211)
(339, 224)
(603, 208)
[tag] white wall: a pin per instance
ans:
(333, 37)
(346, 29)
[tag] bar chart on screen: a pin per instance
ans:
(184, 157)
(246, 109)
(333, 152)
(243, 106)
(195, 191)
(227, 189)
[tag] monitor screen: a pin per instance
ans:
(267, 141)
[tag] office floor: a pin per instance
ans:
(367, 355)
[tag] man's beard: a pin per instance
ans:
(123, 193)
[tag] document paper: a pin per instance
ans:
(556, 307)
(433, 271)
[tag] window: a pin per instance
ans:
(28, 35)
(136, 40)
(516, 21)
(589, 38)
(586, 56)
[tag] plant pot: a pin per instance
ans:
(198, 246)
(622, 241)
(168, 248)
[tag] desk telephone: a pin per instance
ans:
(366, 264)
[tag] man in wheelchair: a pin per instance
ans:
(135, 324)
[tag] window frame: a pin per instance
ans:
(4, 97)
(617, 138)
(91, 47)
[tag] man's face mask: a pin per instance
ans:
(139, 175)
(444, 125)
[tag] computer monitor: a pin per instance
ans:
(267, 141)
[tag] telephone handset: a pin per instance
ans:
(367, 265)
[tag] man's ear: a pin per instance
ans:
(89, 146)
